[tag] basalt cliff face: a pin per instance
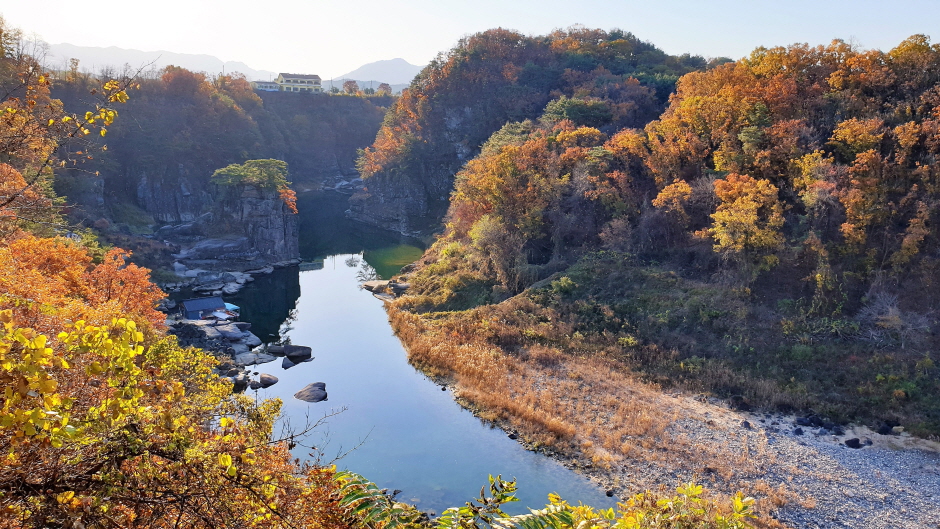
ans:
(410, 206)
(243, 226)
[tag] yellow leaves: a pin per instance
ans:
(749, 217)
(225, 422)
(225, 460)
(65, 497)
(103, 131)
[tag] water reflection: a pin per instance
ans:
(326, 231)
(407, 433)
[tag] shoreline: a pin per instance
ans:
(800, 480)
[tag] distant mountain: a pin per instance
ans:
(391, 71)
(94, 59)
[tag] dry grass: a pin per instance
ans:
(585, 407)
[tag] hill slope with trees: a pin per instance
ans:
(771, 238)
(612, 79)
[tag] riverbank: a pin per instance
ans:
(627, 435)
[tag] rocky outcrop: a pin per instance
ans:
(408, 205)
(244, 227)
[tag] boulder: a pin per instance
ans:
(287, 363)
(267, 380)
(209, 287)
(230, 331)
(252, 358)
(242, 325)
(314, 392)
(373, 286)
(231, 288)
(277, 350)
(853, 443)
(211, 333)
(398, 288)
(239, 349)
(251, 340)
(297, 352)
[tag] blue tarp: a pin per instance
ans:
(229, 306)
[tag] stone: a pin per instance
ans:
(746, 425)
(211, 333)
(286, 363)
(297, 352)
(231, 288)
(239, 349)
(797, 431)
(251, 340)
(252, 358)
(853, 443)
(276, 350)
(242, 325)
(230, 331)
(376, 285)
(513, 436)
(267, 380)
(314, 392)
(254, 384)
(398, 288)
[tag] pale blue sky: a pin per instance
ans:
(336, 36)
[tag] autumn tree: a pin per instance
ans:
(747, 221)
(384, 89)
(350, 87)
(264, 174)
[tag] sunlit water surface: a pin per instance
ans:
(396, 427)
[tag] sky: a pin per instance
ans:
(333, 37)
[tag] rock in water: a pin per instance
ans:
(267, 380)
(297, 353)
(315, 392)
(286, 363)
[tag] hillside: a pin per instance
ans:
(489, 79)
(771, 239)
(177, 129)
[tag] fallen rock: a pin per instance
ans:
(314, 392)
(853, 443)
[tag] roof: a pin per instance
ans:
(299, 76)
(209, 303)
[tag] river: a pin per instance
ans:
(400, 429)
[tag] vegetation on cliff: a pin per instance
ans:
(107, 422)
(772, 237)
(607, 80)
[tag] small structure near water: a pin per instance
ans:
(208, 307)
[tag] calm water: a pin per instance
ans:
(407, 433)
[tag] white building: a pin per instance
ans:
(265, 86)
(291, 82)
